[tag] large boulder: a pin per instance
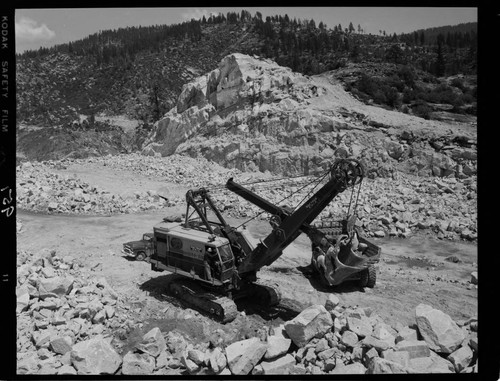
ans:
(217, 360)
(349, 338)
(372, 342)
(385, 333)
(235, 350)
(359, 324)
(176, 343)
(60, 345)
(56, 286)
(354, 368)
(438, 329)
(190, 365)
(331, 302)
(196, 356)
(312, 322)
(277, 346)
(95, 356)
(415, 349)
(242, 356)
(461, 358)
(22, 298)
(406, 333)
(138, 363)
(431, 364)
(280, 365)
(152, 342)
(379, 365)
(28, 365)
(400, 357)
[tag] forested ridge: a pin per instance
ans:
(139, 71)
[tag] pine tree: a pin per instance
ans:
(440, 64)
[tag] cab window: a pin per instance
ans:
(225, 253)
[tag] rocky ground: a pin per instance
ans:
(260, 124)
(76, 292)
(442, 207)
(72, 322)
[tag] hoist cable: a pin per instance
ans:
(260, 181)
(318, 182)
(298, 190)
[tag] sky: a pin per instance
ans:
(49, 27)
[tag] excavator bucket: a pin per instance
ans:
(351, 259)
(349, 263)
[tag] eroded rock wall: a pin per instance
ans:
(254, 115)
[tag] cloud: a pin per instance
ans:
(197, 14)
(29, 30)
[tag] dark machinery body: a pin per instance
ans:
(219, 263)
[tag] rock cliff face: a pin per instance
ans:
(253, 114)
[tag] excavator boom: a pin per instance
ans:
(343, 174)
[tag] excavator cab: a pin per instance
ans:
(193, 253)
(225, 264)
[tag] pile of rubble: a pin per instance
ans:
(444, 207)
(343, 340)
(40, 189)
(60, 306)
(192, 172)
(66, 319)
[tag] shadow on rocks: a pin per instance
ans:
(158, 287)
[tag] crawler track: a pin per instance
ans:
(266, 292)
(192, 294)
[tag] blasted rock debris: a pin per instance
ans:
(73, 332)
(445, 207)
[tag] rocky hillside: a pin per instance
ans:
(139, 71)
(55, 88)
(254, 115)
